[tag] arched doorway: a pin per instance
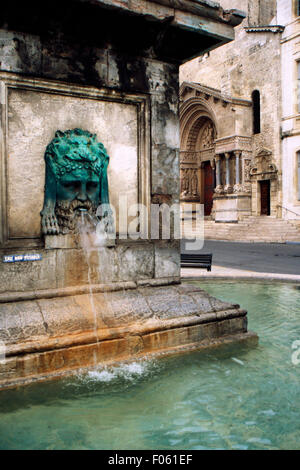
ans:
(206, 142)
(208, 187)
(197, 160)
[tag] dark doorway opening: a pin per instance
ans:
(209, 186)
(265, 198)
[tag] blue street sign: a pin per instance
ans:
(19, 258)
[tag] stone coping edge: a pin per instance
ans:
(108, 334)
(205, 8)
(85, 289)
(247, 338)
(241, 277)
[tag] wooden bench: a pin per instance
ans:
(189, 260)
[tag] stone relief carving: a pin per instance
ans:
(245, 186)
(208, 136)
(219, 189)
(184, 183)
(189, 183)
(76, 180)
(263, 165)
(247, 168)
(194, 183)
(242, 188)
(228, 189)
(188, 156)
(237, 188)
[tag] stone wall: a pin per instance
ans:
(290, 58)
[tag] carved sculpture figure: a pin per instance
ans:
(247, 168)
(208, 136)
(194, 183)
(76, 180)
(189, 183)
(184, 182)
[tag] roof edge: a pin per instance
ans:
(207, 8)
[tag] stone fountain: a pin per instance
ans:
(89, 95)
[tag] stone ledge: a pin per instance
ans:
(85, 289)
(265, 29)
(58, 363)
(167, 8)
(72, 241)
(247, 339)
(141, 329)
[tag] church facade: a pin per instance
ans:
(240, 122)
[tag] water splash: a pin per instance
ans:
(125, 371)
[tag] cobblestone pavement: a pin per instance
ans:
(249, 261)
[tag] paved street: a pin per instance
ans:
(252, 257)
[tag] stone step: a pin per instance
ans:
(249, 229)
(256, 229)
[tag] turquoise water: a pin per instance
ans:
(234, 398)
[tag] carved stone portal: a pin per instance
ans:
(263, 166)
(76, 180)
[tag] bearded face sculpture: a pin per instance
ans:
(76, 180)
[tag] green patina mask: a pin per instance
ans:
(74, 150)
(76, 179)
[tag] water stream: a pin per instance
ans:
(86, 228)
(94, 234)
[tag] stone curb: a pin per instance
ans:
(235, 274)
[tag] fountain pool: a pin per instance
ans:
(228, 398)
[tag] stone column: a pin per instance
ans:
(219, 187)
(237, 167)
(237, 187)
(228, 187)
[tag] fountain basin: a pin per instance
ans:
(231, 398)
(48, 337)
